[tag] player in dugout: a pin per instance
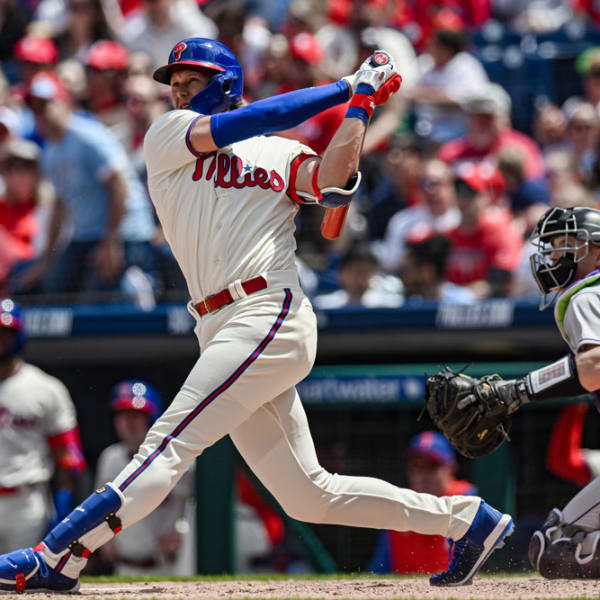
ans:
(39, 440)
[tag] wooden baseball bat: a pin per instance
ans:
(333, 221)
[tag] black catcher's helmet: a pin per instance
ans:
(580, 227)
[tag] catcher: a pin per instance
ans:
(474, 414)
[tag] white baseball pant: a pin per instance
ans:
(254, 351)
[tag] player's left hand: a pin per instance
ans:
(472, 413)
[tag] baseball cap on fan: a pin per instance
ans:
(306, 47)
(47, 85)
(433, 445)
(106, 54)
(38, 50)
(491, 100)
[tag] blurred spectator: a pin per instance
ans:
(73, 74)
(39, 439)
(438, 212)
(394, 182)
(25, 206)
(142, 106)
(540, 16)
(34, 54)
(582, 137)
(13, 22)
(106, 64)
(153, 545)
(85, 23)
(423, 272)
(437, 97)
(93, 177)
(361, 283)
(10, 125)
(300, 67)
(486, 246)
(571, 194)
(430, 469)
(550, 129)
(528, 199)
(566, 458)
(588, 66)
(365, 23)
(488, 132)
(561, 168)
(161, 24)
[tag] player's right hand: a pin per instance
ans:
(378, 69)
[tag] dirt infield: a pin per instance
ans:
(526, 587)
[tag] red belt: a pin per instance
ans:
(8, 491)
(224, 297)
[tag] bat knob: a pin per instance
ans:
(379, 58)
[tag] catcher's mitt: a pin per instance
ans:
(468, 411)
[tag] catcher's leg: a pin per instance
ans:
(563, 551)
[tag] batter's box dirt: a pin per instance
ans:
(484, 588)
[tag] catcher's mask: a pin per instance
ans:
(226, 84)
(11, 318)
(580, 228)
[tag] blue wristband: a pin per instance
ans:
(357, 112)
(277, 113)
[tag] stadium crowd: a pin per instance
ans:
(454, 175)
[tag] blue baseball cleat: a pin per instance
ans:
(487, 532)
(26, 570)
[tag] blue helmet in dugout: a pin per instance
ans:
(226, 85)
(11, 318)
(579, 227)
(134, 394)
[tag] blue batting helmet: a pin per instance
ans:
(134, 394)
(11, 318)
(227, 82)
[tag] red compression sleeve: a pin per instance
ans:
(565, 458)
(68, 447)
(272, 522)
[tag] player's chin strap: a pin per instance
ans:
(329, 197)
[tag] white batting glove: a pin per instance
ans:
(375, 71)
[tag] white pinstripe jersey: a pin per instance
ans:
(33, 407)
(226, 215)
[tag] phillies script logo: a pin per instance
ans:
(230, 173)
(178, 49)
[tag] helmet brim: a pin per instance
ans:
(163, 74)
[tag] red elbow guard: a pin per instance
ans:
(67, 445)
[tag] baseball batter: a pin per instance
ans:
(38, 437)
(226, 197)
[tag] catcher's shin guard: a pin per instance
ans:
(99, 507)
(556, 552)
